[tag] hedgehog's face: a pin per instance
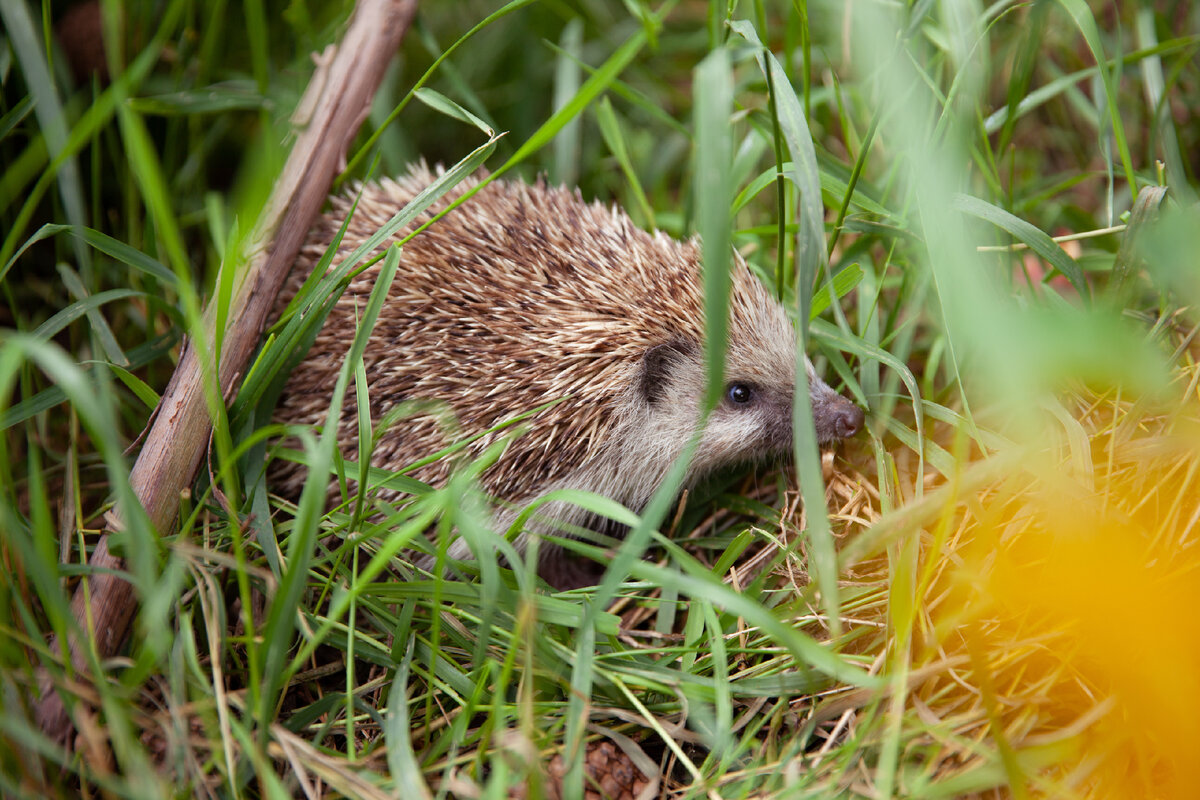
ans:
(753, 420)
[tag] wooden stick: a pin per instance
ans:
(333, 107)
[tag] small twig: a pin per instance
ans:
(1070, 237)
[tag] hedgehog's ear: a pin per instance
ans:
(657, 364)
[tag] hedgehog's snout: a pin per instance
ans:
(847, 420)
(836, 417)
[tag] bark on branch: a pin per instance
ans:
(335, 104)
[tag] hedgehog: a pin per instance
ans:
(525, 295)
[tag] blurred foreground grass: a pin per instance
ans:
(999, 598)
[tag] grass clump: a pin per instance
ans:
(987, 218)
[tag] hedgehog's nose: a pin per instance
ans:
(848, 421)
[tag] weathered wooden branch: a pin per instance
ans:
(335, 104)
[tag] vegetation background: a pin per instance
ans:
(996, 596)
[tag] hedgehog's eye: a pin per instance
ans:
(739, 394)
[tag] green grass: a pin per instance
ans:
(987, 594)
